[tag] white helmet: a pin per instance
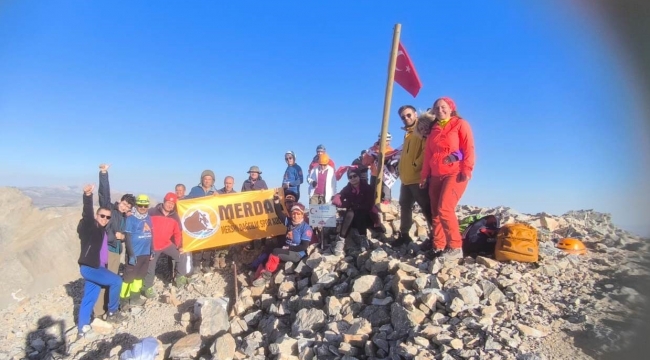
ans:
(388, 136)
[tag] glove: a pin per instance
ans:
(336, 201)
(314, 183)
(451, 158)
(133, 260)
(462, 177)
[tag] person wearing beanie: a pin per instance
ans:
(205, 186)
(410, 166)
(139, 251)
(320, 149)
(168, 240)
(291, 247)
(203, 259)
(322, 181)
(293, 176)
(446, 176)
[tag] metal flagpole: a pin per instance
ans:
(387, 98)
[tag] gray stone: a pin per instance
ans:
(186, 348)
(367, 284)
(307, 322)
(284, 346)
(213, 315)
(468, 295)
(224, 347)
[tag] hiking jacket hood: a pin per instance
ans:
(455, 136)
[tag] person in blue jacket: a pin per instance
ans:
(139, 251)
(293, 176)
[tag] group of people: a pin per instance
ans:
(434, 165)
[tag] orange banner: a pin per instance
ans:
(215, 221)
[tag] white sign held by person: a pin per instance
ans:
(322, 215)
(389, 178)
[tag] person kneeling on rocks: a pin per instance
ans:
(357, 198)
(291, 247)
(92, 264)
(139, 251)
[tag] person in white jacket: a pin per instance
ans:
(322, 182)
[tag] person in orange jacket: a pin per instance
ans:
(447, 167)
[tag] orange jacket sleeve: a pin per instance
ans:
(466, 143)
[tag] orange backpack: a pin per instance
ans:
(517, 242)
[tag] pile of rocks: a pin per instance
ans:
(386, 304)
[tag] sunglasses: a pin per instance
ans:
(296, 213)
(288, 158)
(405, 116)
(143, 206)
(104, 216)
(353, 176)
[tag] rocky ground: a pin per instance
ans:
(381, 304)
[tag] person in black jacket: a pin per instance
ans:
(114, 230)
(92, 263)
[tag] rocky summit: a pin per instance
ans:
(385, 303)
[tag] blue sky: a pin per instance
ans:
(164, 90)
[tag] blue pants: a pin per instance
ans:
(95, 280)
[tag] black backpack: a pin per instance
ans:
(480, 237)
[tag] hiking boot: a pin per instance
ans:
(403, 239)
(433, 253)
(180, 281)
(149, 292)
(453, 254)
(364, 243)
(116, 318)
(426, 245)
(136, 299)
(339, 246)
(264, 279)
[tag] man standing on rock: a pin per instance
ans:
(254, 182)
(114, 230)
(167, 239)
(410, 166)
(293, 176)
(93, 259)
(203, 258)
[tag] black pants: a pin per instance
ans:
(137, 271)
(357, 219)
(409, 195)
(287, 255)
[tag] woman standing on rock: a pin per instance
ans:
(447, 167)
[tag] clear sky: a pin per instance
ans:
(164, 90)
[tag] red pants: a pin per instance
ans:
(444, 194)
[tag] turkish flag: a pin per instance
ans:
(405, 73)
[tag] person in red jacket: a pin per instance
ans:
(167, 239)
(447, 167)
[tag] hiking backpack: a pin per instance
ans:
(480, 235)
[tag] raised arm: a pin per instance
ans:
(104, 187)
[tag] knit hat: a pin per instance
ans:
(323, 159)
(171, 197)
(207, 173)
(449, 101)
(299, 207)
(254, 169)
(320, 147)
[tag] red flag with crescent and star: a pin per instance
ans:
(405, 73)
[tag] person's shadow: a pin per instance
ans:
(47, 339)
